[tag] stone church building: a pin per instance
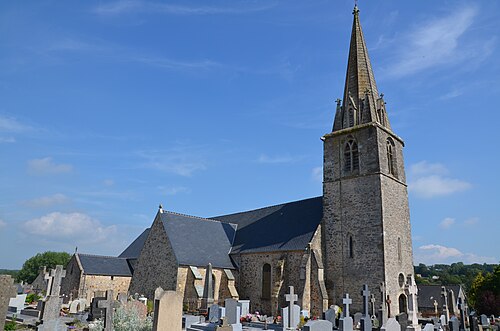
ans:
(357, 232)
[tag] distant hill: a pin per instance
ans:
(13, 273)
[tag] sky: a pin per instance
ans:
(109, 108)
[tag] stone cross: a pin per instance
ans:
(346, 301)
(208, 288)
(108, 306)
(54, 280)
(7, 291)
(383, 305)
(436, 308)
(366, 321)
(412, 289)
(444, 297)
(372, 301)
(291, 298)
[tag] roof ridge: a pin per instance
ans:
(95, 255)
(267, 207)
(196, 217)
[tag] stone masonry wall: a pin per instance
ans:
(250, 279)
(91, 284)
(70, 285)
(157, 265)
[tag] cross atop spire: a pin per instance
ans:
(361, 102)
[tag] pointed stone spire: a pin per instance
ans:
(361, 102)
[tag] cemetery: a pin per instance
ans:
(341, 261)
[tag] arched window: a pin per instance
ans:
(350, 117)
(350, 247)
(403, 307)
(400, 257)
(266, 281)
(351, 156)
(391, 159)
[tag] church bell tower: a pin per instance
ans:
(366, 223)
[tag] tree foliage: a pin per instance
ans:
(484, 294)
(32, 266)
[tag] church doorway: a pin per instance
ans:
(403, 307)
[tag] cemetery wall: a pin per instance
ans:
(157, 265)
(93, 283)
(285, 271)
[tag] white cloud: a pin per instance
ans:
(428, 180)
(447, 223)
(174, 190)
(437, 42)
(46, 166)
(69, 227)
(132, 6)
(266, 159)
(436, 254)
(55, 199)
(317, 174)
(181, 160)
(10, 124)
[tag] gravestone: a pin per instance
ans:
(214, 313)
(188, 320)
(444, 299)
(403, 321)
(233, 312)
(357, 318)
(453, 324)
(366, 320)
(168, 310)
(331, 315)
(484, 320)
(244, 306)
(345, 323)
(383, 314)
(474, 323)
(318, 325)
(17, 304)
(428, 327)
(442, 321)
(304, 313)
(7, 291)
(76, 306)
(95, 311)
(107, 305)
(462, 314)
(123, 298)
(292, 311)
(391, 325)
(208, 288)
(411, 290)
(436, 322)
(290, 317)
(51, 307)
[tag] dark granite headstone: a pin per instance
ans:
(402, 320)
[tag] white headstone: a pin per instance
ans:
(168, 310)
(245, 307)
(17, 303)
(233, 312)
(290, 317)
(391, 325)
(429, 327)
(318, 325)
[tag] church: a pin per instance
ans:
(358, 232)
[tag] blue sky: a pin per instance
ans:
(109, 108)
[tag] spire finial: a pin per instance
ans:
(160, 208)
(356, 9)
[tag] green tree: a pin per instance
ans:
(484, 294)
(48, 259)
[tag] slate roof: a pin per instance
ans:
(288, 226)
(198, 241)
(134, 249)
(104, 265)
(428, 293)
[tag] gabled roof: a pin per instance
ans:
(428, 293)
(134, 249)
(288, 226)
(198, 241)
(104, 265)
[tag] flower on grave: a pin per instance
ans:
(96, 325)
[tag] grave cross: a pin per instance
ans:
(346, 301)
(436, 308)
(372, 301)
(383, 305)
(291, 298)
(108, 306)
(444, 296)
(366, 297)
(56, 276)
